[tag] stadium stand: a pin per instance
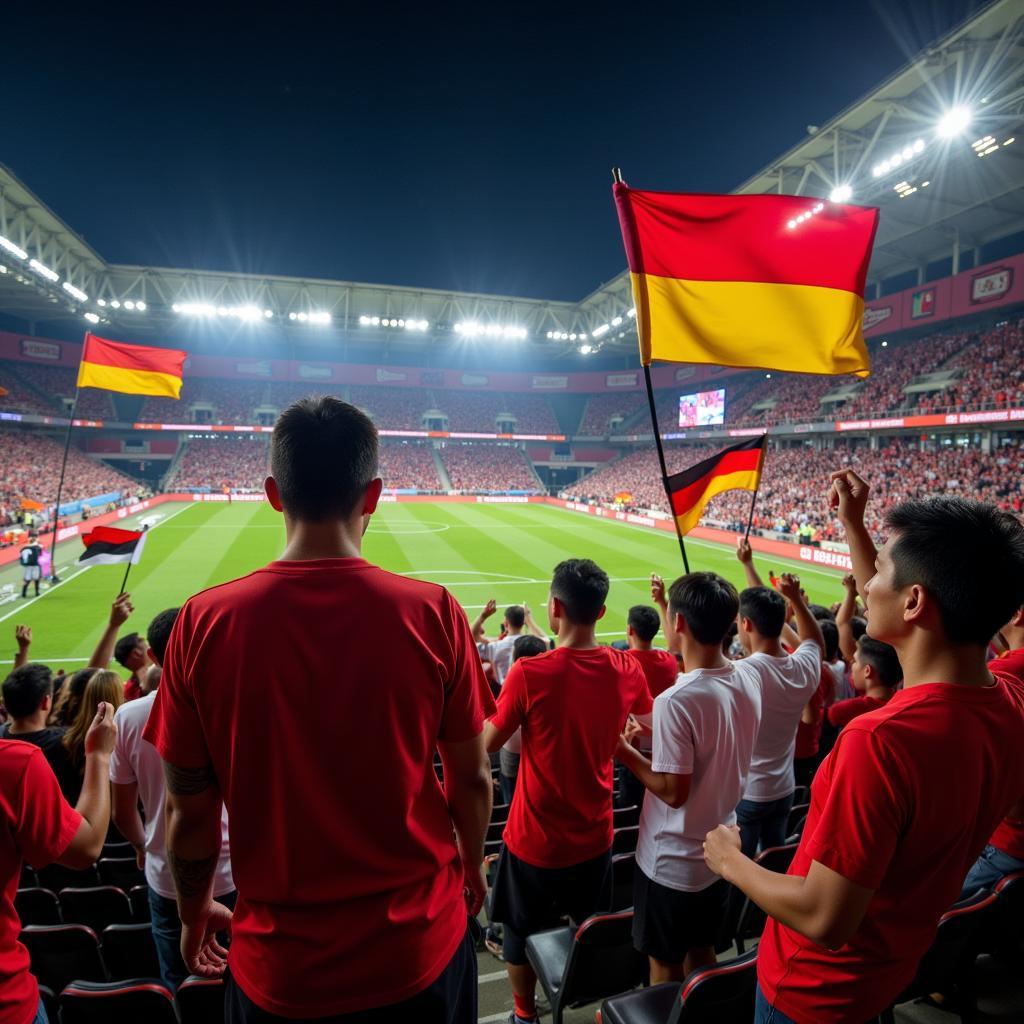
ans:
(235, 463)
(479, 467)
(408, 466)
(16, 395)
(479, 411)
(601, 408)
(396, 408)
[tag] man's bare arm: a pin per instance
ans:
(94, 802)
(745, 554)
(848, 496)
(845, 616)
(120, 611)
(193, 836)
(23, 638)
(660, 598)
(807, 626)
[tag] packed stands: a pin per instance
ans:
(601, 408)
(794, 484)
(404, 466)
(478, 411)
(30, 468)
(394, 408)
(18, 396)
(488, 467)
(235, 463)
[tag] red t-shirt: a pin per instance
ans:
(845, 711)
(1009, 836)
(319, 692)
(660, 669)
(808, 734)
(36, 826)
(892, 811)
(572, 705)
(132, 690)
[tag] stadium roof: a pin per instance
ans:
(936, 146)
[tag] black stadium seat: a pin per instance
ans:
(624, 840)
(97, 906)
(752, 917)
(117, 1002)
(138, 896)
(201, 1000)
(117, 849)
(796, 819)
(582, 966)
(623, 874)
(720, 994)
(29, 879)
(56, 877)
(120, 871)
(622, 817)
(63, 953)
(129, 951)
(37, 906)
(50, 1003)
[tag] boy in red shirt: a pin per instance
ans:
(876, 677)
(571, 704)
(911, 792)
(312, 695)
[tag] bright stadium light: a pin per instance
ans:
(841, 194)
(44, 271)
(598, 331)
(267, 313)
(953, 122)
(129, 304)
(115, 304)
(585, 350)
(75, 293)
(474, 329)
(14, 250)
(92, 318)
(631, 312)
(616, 320)
(189, 308)
(140, 306)
(103, 302)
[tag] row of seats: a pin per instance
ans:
(197, 1001)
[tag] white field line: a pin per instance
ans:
(67, 579)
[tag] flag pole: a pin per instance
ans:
(54, 578)
(757, 489)
(124, 582)
(617, 178)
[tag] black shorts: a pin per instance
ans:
(528, 899)
(667, 922)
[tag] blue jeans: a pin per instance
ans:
(988, 870)
(763, 823)
(167, 936)
(40, 1017)
(765, 1013)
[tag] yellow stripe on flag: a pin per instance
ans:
(793, 327)
(130, 382)
(744, 481)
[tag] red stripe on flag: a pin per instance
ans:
(731, 462)
(110, 535)
(102, 352)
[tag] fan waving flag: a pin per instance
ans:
(106, 545)
(737, 468)
(131, 369)
(768, 281)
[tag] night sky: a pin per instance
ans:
(424, 145)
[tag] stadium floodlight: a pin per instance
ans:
(75, 293)
(585, 350)
(129, 304)
(319, 317)
(631, 312)
(599, 331)
(44, 271)
(364, 321)
(841, 194)
(616, 320)
(140, 306)
(103, 302)
(14, 250)
(189, 308)
(954, 122)
(92, 318)
(3, 269)
(117, 305)
(268, 314)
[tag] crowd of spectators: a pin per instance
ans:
(219, 463)
(478, 411)
(411, 465)
(390, 408)
(488, 467)
(601, 408)
(791, 486)
(30, 468)
(15, 396)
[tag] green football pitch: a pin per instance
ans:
(478, 551)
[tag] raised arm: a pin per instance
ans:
(807, 627)
(848, 495)
(745, 554)
(23, 638)
(193, 849)
(120, 611)
(94, 802)
(845, 616)
(478, 623)
(660, 598)
(531, 625)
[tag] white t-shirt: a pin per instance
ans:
(499, 654)
(136, 760)
(705, 726)
(787, 684)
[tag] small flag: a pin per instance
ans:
(737, 468)
(130, 369)
(105, 545)
(768, 281)
(28, 505)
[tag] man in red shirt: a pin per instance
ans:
(1004, 853)
(912, 791)
(130, 651)
(38, 826)
(877, 675)
(571, 704)
(355, 869)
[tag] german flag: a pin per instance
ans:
(768, 281)
(737, 468)
(130, 369)
(106, 545)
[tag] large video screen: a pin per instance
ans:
(704, 409)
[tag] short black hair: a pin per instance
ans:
(645, 621)
(26, 688)
(968, 556)
(323, 454)
(582, 586)
(830, 633)
(858, 626)
(708, 604)
(821, 613)
(528, 647)
(515, 616)
(124, 647)
(159, 632)
(766, 609)
(882, 658)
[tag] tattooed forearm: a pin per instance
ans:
(188, 781)
(191, 877)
